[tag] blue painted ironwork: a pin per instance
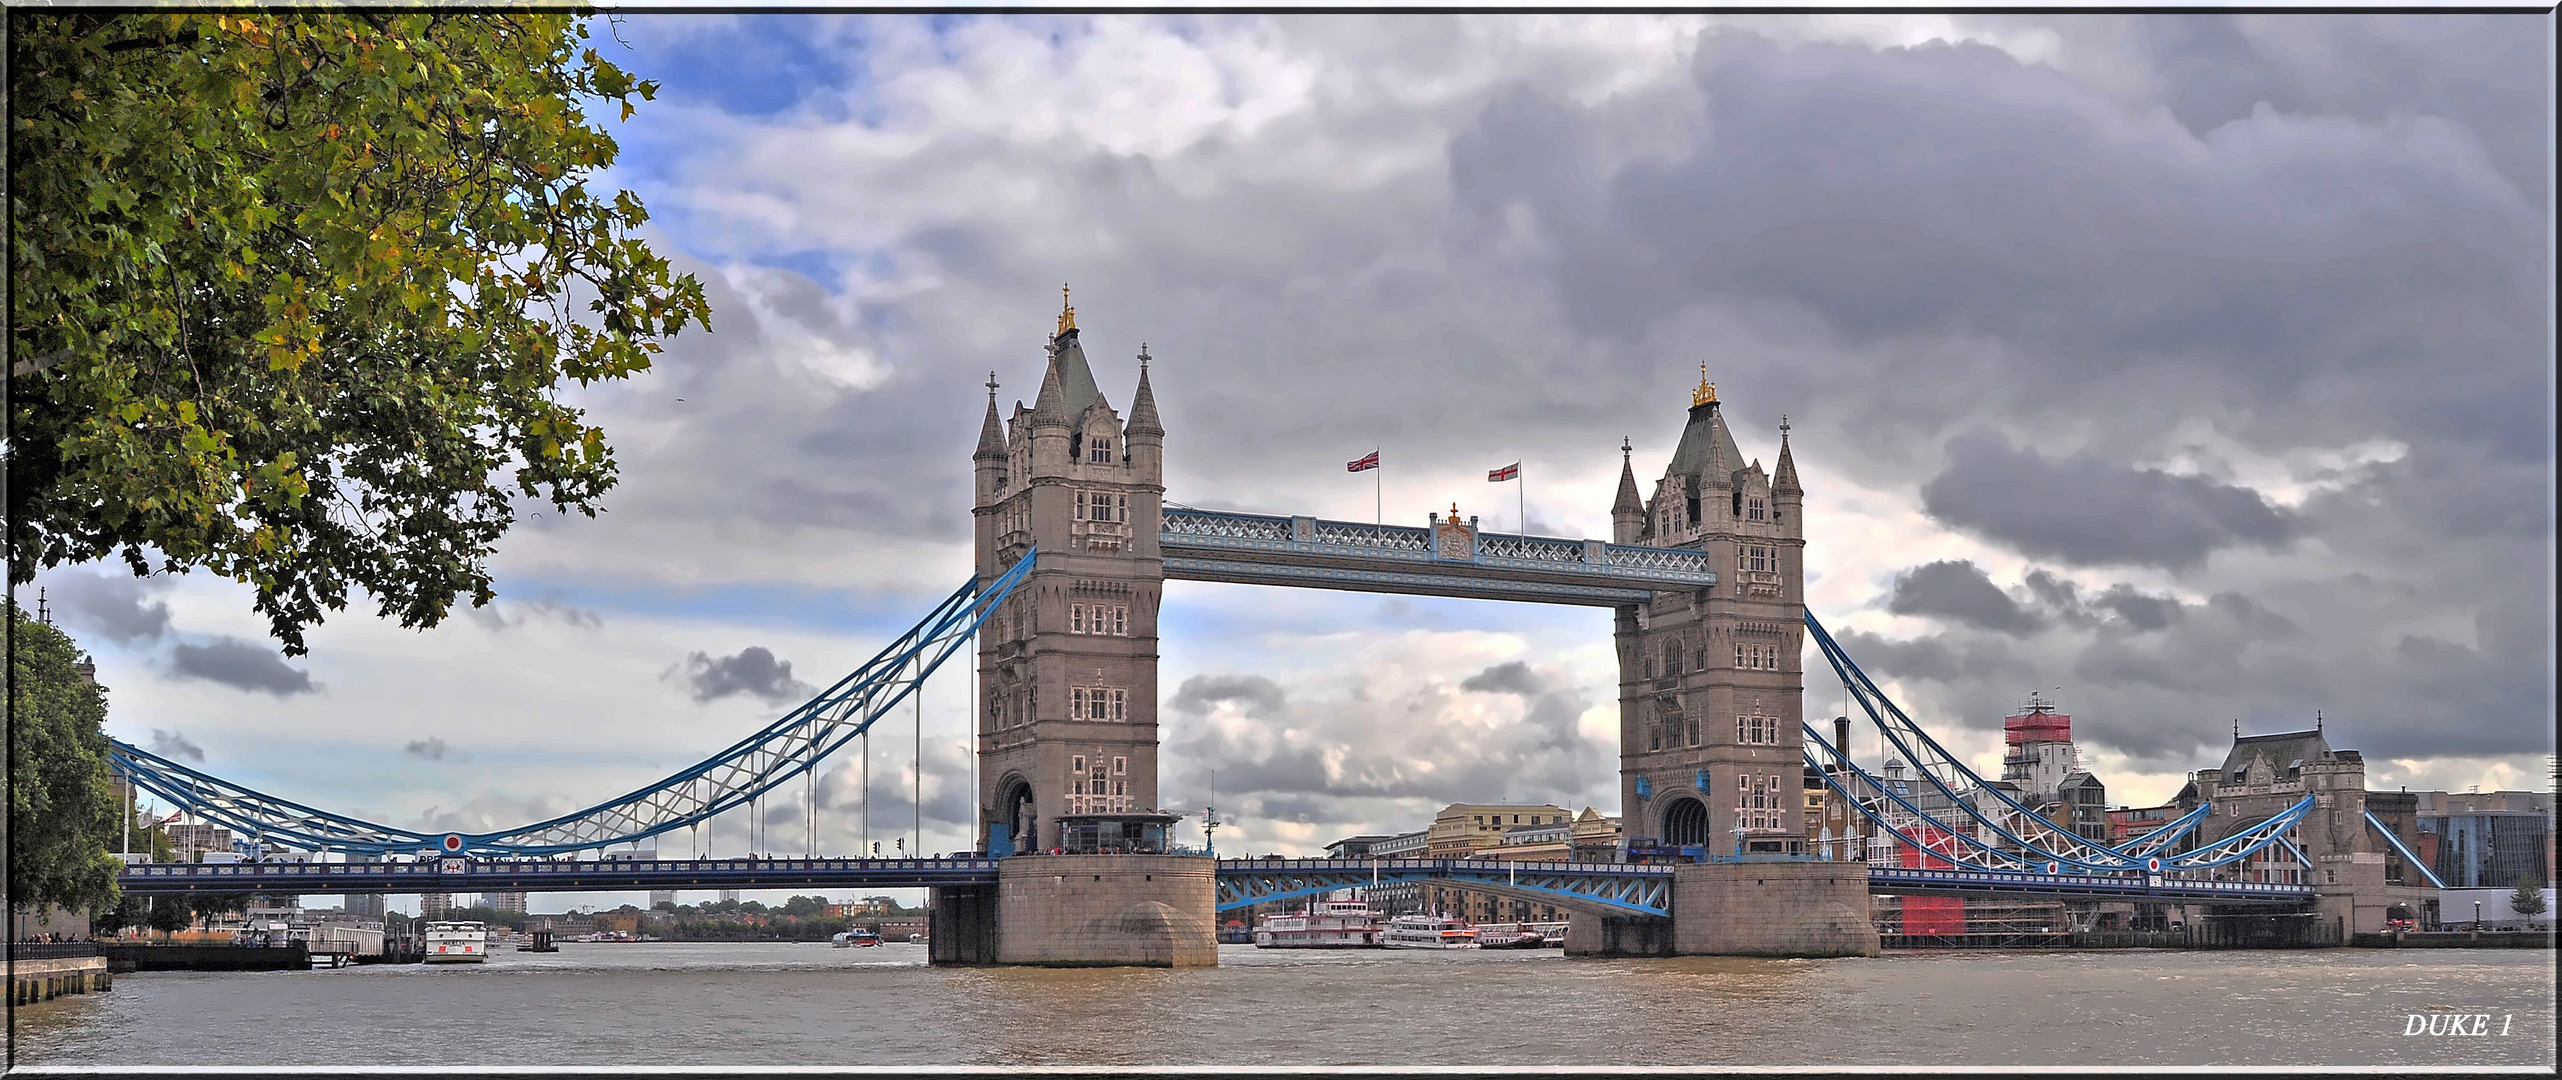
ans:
(554, 875)
(1897, 880)
(1963, 789)
(1614, 888)
(727, 780)
(2408, 855)
(1205, 545)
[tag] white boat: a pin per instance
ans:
(455, 943)
(855, 939)
(1430, 932)
(1326, 924)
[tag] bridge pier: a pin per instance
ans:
(1083, 911)
(1777, 908)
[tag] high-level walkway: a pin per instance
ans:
(1438, 560)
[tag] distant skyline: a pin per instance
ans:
(2198, 366)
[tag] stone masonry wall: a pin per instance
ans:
(1772, 909)
(1107, 911)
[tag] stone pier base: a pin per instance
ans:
(1778, 908)
(1084, 911)
(31, 981)
(1617, 935)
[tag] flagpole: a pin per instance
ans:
(1521, 511)
(1378, 492)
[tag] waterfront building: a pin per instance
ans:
(187, 840)
(434, 905)
(2479, 840)
(504, 901)
(1354, 847)
(1461, 830)
(1692, 660)
(363, 906)
(661, 896)
(1410, 845)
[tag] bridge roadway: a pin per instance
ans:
(1620, 888)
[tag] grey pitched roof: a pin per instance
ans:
(2283, 751)
(1076, 381)
(1707, 449)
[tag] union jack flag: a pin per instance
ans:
(1365, 464)
(1508, 472)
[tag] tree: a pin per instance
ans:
(62, 807)
(170, 914)
(2529, 899)
(291, 292)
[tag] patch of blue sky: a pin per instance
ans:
(746, 65)
(861, 613)
(817, 265)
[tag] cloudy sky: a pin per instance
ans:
(2197, 366)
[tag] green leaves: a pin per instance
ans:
(61, 809)
(319, 276)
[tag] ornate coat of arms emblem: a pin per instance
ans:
(1454, 539)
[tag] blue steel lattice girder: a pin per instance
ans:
(1613, 888)
(1870, 697)
(2103, 856)
(2231, 849)
(732, 778)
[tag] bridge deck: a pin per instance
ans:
(1641, 888)
(1260, 549)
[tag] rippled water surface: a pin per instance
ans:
(770, 1004)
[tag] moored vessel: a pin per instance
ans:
(455, 943)
(1429, 932)
(1334, 923)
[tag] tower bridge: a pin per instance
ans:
(1074, 542)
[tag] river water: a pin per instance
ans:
(804, 1005)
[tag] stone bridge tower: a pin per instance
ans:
(1709, 681)
(1067, 665)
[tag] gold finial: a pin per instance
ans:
(1454, 510)
(1067, 313)
(1707, 391)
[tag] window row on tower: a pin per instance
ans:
(1098, 703)
(1113, 620)
(1093, 789)
(1756, 657)
(1102, 506)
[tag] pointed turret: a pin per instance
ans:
(1049, 408)
(1628, 515)
(991, 431)
(1784, 481)
(1143, 417)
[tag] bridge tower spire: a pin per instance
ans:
(1067, 666)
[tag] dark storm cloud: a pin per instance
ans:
(754, 671)
(2087, 259)
(119, 607)
(174, 745)
(1257, 696)
(429, 749)
(1513, 678)
(1959, 590)
(241, 665)
(2088, 510)
(2211, 73)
